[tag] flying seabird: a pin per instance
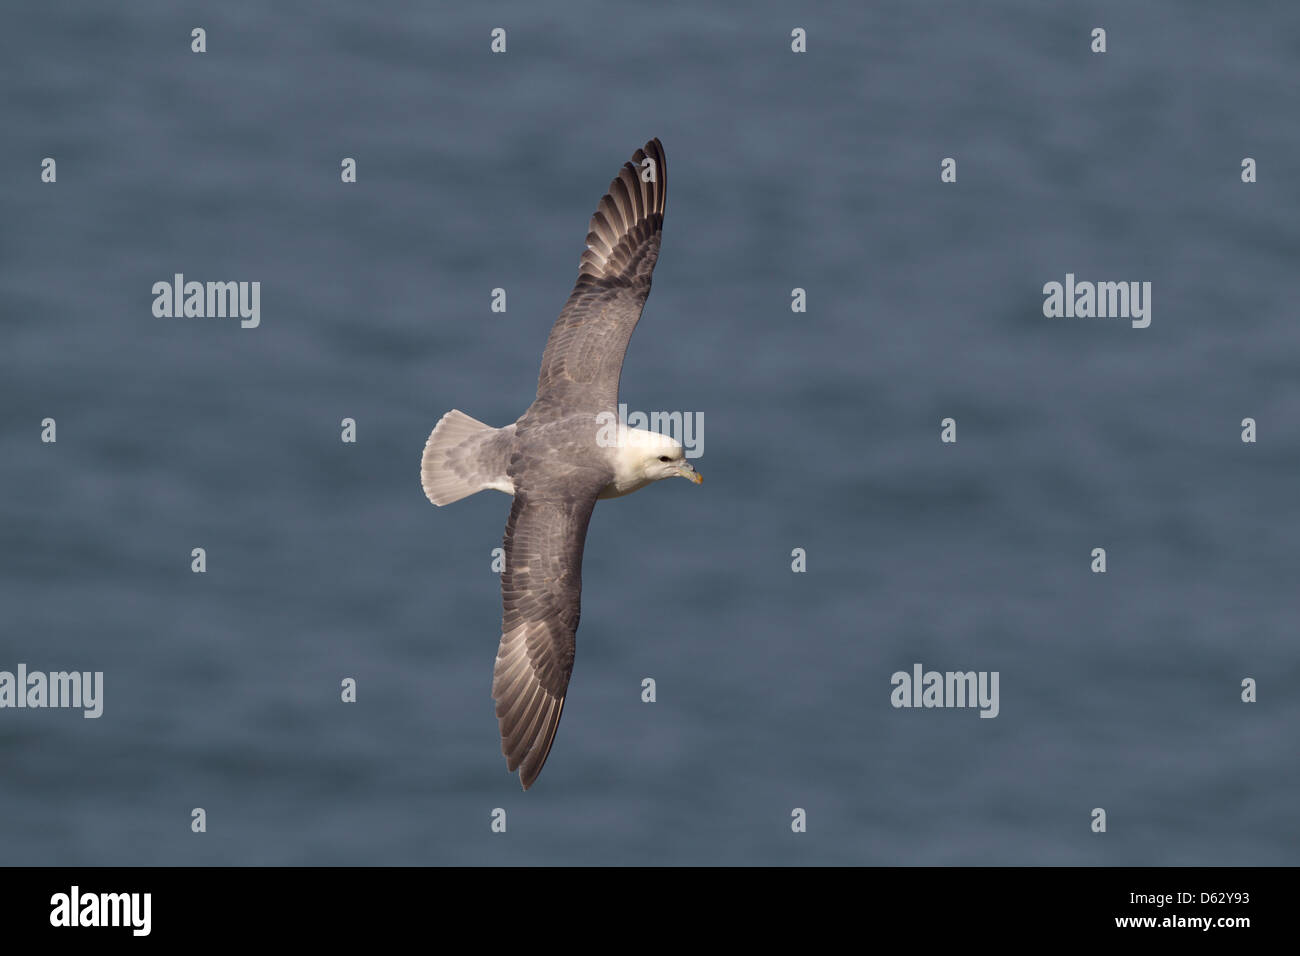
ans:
(559, 457)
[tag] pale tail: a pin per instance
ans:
(463, 456)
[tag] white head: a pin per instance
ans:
(644, 456)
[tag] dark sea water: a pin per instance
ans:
(819, 171)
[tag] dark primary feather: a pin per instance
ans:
(584, 353)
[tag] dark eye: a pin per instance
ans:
(664, 458)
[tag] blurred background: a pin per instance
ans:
(818, 171)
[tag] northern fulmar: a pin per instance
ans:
(559, 457)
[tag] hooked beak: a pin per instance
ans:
(687, 471)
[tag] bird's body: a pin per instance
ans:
(565, 452)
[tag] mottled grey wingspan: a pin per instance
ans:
(584, 354)
(541, 591)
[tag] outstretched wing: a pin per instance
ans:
(541, 589)
(584, 354)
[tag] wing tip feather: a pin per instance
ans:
(620, 213)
